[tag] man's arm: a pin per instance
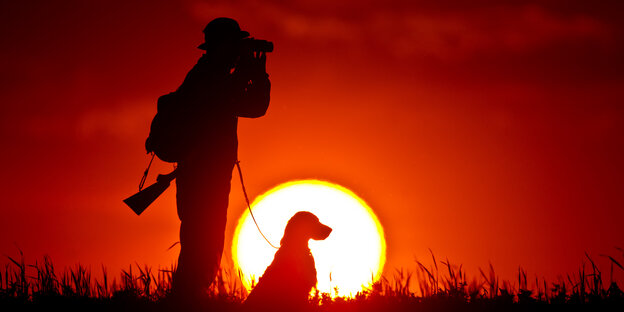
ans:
(253, 100)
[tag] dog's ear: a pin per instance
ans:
(296, 226)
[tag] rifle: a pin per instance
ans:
(141, 200)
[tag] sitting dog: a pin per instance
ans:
(287, 282)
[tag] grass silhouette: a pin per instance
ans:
(441, 286)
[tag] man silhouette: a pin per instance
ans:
(226, 83)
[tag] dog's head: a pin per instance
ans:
(304, 226)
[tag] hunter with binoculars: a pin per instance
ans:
(195, 126)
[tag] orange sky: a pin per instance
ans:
(487, 132)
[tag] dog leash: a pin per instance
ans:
(240, 175)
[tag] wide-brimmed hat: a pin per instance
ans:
(222, 29)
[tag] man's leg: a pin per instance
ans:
(202, 201)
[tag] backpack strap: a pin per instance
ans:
(142, 183)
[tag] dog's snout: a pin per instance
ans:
(323, 232)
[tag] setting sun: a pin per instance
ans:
(352, 255)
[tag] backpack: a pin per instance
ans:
(167, 136)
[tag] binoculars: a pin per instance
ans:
(256, 45)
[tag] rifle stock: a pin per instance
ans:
(141, 200)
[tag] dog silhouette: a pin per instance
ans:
(288, 280)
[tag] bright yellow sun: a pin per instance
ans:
(349, 259)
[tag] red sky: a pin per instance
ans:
(487, 131)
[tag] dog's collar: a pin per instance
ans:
(293, 247)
